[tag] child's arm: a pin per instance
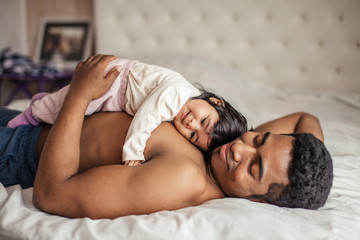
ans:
(162, 104)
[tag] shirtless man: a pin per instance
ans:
(80, 172)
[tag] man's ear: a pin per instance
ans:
(217, 101)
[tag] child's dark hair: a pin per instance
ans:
(230, 126)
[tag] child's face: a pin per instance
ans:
(195, 121)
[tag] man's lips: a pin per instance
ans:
(223, 153)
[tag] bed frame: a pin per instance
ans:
(301, 44)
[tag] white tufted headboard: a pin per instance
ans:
(288, 43)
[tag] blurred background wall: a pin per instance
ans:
(21, 22)
(37, 10)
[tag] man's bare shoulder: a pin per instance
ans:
(166, 139)
(171, 152)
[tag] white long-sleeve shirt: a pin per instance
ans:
(150, 93)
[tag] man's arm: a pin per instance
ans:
(59, 160)
(299, 122)
(108, 191)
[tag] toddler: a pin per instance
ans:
(151, 94)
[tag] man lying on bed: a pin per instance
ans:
(79, 172)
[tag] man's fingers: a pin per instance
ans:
(100, 58)
(106, 58)
(89, 59)
(79, 65)
(114, 72)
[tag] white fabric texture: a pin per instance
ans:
(227, 218)
(154, 94)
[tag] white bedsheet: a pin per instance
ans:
(228, 218)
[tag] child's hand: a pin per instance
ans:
(133, 163)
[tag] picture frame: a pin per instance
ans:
(64, 42)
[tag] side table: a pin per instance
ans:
(22, 82)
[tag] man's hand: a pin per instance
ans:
(89, 79)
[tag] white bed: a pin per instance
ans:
(327, 85)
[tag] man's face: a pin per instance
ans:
(251, 163)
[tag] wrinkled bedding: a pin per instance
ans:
(228, 218)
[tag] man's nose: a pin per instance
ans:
(243, 151)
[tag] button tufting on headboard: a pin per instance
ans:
(308, 44)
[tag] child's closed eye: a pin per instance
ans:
(203, 121)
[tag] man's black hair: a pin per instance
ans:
(310, 176)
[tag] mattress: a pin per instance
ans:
(227, 218)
